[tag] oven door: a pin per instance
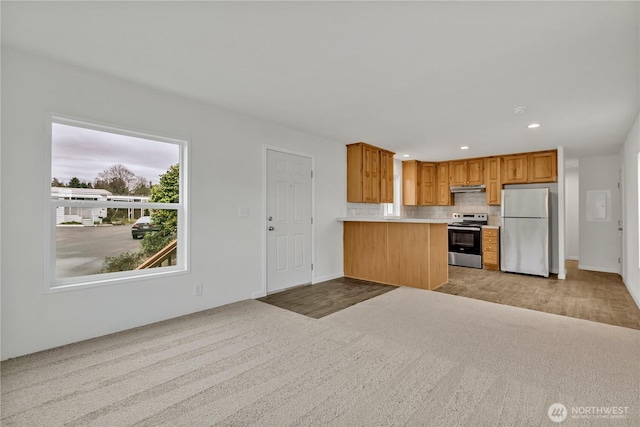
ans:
(465, 240)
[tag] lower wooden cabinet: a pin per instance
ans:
(397, 253)
(491, 248)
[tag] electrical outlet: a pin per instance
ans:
(197, 290)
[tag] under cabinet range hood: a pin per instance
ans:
(468, 188)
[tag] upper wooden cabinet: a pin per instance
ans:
(492, 170)
(364, 174)
(515, 169)
(425, 183)
(466, 172)
(386, 176)
(543, 166)
(411, 183)
(443, 193)
(526, 168)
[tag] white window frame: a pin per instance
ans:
(52, 284)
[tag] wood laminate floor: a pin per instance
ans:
(589, 295)
(324, 298)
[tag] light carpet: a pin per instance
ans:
(408, 357)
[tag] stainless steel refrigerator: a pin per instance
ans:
(524, 242)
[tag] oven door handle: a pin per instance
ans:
(463, 228)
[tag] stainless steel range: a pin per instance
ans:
(465, 239)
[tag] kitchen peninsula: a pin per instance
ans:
(396, 251)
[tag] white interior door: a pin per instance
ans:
(288, 220)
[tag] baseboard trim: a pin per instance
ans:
(573, 258)
(258, 294)
(329, 277)
(595, 268)
(633, 297)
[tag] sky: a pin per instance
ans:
(84, 153)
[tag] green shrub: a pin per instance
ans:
(126, 261)
(152, 243)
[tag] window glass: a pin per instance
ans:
(116, 203)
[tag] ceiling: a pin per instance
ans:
(418, 78)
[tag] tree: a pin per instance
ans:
(141, 187)
(167, 191)
(56, 183)
(74, 183)
(117, 179)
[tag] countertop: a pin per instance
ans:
(494, 227)
(395, 219)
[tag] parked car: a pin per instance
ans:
(142, 226)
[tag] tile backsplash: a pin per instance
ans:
(464, 202)
(365, 209)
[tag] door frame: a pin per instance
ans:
(621, 223)
(263, 222)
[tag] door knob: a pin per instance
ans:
(271, 228)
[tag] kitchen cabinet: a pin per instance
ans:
(410, 182)
(364, 181)
(491, 249)
(466, 172)
(527, 168)
(543, 166)
(492, 169)
(365, 254)
(515, 169)
(386, 176)
(397, 253)
(419, 183)
(427, 184)
(443, 193)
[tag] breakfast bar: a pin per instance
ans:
(396, 251)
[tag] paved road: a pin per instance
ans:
(81, 250)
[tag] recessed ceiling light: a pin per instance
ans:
(519, 110)
(464, 147)
(406, 155)
(533, 125)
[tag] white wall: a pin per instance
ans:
(599, 240)
(572, 212)
(225, 174)
(631, 263)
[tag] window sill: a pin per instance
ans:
(111, 279)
